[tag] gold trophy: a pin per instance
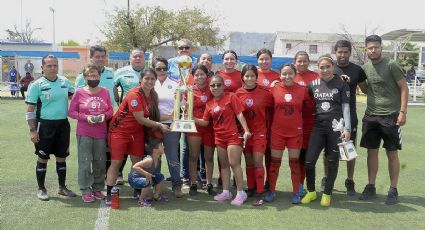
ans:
(183, 101)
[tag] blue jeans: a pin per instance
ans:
(138, 182)
(171, 149)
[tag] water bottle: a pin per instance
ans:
(115, 198)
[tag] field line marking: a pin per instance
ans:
(102, 217)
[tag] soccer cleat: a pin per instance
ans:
(323, 184)
(42, 194)
(64, 191)
(368, 193)
(309, 197)
(326, 200)
(349, 184)
(392, 197)
(186, 184)
(193, 190)
(239, 199)
(120, 180)
(270, 196)
(87, 198)
(223, 196)
(296, 199)
(210, 190)
(98, 195)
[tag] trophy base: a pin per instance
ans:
(184, 126)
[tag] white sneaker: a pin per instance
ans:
(42, 195)
(239, 199)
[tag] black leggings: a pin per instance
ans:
(321, 137)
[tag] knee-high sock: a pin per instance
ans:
(250, 176)
(259, 179)
(61, 171)
(294, 165)
(332, 173)
(274, 172)
(40, 173)
(302, 165)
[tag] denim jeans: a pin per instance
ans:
(171, 149)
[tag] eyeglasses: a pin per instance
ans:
(216, 85)
(184, 47)
(161, 69)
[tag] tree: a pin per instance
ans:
(150, 27)
(69, 43)
(407, 53)
(26, 35)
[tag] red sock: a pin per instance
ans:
(295, 173)
(250, 176)
(259, 179)
(302, 172)
(274, 172)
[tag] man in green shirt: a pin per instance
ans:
(385, 114)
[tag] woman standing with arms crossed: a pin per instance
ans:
(332, 97)
(91, 106)
(286, 129)
(127, 125)
(222, 109)
(256, 100)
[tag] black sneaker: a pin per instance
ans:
(368, 193)
(349, 184)
(193, 190)
(210, 190)
(250, 192)
(392, 197)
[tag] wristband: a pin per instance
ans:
(30, 116)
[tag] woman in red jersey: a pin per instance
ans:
(223, 109)
(231, 76)
(256, 100)
(266, 76)
(304, 77)
(204, 135)
(286, 131)
(126, 134)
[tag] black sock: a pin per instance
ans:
(61, 170)
(40, 172)
(108, 190)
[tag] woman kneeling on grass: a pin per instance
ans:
(92, 107)
(222, 109)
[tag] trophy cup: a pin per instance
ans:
(183, 101)
(347, 152)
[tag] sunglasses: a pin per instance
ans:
(161, 69)
(216, 85)
(184, 47)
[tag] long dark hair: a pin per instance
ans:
(154, 114)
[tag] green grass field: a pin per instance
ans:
(20, 209)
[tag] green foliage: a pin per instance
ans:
(149, 27)
(408, 58)
(69, 43)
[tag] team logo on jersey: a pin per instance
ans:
(134, 103)
(301, 83)
(288, 97)
(335, 91)
(348, 93)
(170, 87)
(228, 82)
(216, 109)
(47, 96)
(204, 98)
(249, 102)
(326, 106)
(266, 82)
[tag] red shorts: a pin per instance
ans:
(231, 140)
(256, 143)
(122, 144)
(207, 136)
(279, 142)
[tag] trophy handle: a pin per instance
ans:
(177, 99)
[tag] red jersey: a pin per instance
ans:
(256, 102)
(123, 120)
(304, 79)
(288, 108)
(223, 112)
(200, 99)
(232, 81)
(266, 79)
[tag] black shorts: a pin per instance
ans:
(376, 128)
(54, 139)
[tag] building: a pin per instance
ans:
(245, 44)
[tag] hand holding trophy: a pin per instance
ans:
(183, 101)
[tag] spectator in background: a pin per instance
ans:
(13, 79)
(29, 67)
(25, 81)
